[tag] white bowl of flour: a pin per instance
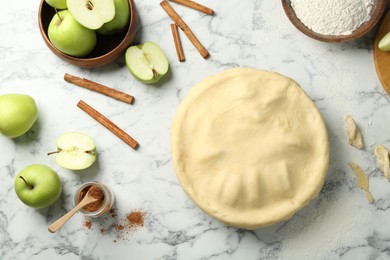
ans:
(334, 20)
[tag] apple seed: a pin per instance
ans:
(89, 5)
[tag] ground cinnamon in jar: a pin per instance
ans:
(96, 193)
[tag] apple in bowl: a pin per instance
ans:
(108, 47)
(69, 36)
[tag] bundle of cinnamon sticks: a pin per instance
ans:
(178, 22)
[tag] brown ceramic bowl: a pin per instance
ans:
(376, 14)
(108, 47)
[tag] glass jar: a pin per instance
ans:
(108, 199)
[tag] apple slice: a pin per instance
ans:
(76, 151)
(147, 62)
(92, 13)
(384, 43)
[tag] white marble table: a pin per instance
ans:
(340, 78)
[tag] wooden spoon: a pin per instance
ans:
(88, 199)
(382, 58)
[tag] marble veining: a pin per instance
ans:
(340, 78)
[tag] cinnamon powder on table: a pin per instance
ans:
(136, 218)
(87, 223)
(133, 220)
(130, 222)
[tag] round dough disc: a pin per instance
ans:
(249, 147)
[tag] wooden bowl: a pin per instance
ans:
(376, 13)
(108, 47)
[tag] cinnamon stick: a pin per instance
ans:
(177, 41)
(108, 124)
(195, 5)
(91, 85)
(190, 35)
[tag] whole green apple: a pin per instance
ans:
(59, 4)
(69, 36)
(120, 21)
(38, 186)
(18, 112)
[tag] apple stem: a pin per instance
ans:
(59, 16)
(53, 152)
(89, 152)
(28, 185)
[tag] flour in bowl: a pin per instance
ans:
(332, 17)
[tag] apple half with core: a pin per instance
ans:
(58, 4)
(76, 151)
(38, 186)
(120, 21)
(384, 43)
(18, 113)
(147, 62)
(69, 36)
(92, 13)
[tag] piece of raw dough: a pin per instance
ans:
(362, 180)
(249, 147)
(354, 136)
(382, 155)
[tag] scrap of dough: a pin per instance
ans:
(382, 155)
(354, 136)
(249, 147)
(362, 180)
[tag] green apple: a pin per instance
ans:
(384, 43)
(120, 21)
(58, 4)
(75, 151)
(147, 62)
(38, 186)
(92, 13)
(69, 36)
(18, 112)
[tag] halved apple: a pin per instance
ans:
(384, 43)
(92, 13)
(75, 151)
(147, 62)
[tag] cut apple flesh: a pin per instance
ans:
(92, 13)
(146, 61)
(76, 151)
(384, 43)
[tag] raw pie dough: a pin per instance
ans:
(354, 136)
(382, 155)
(249, 147)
